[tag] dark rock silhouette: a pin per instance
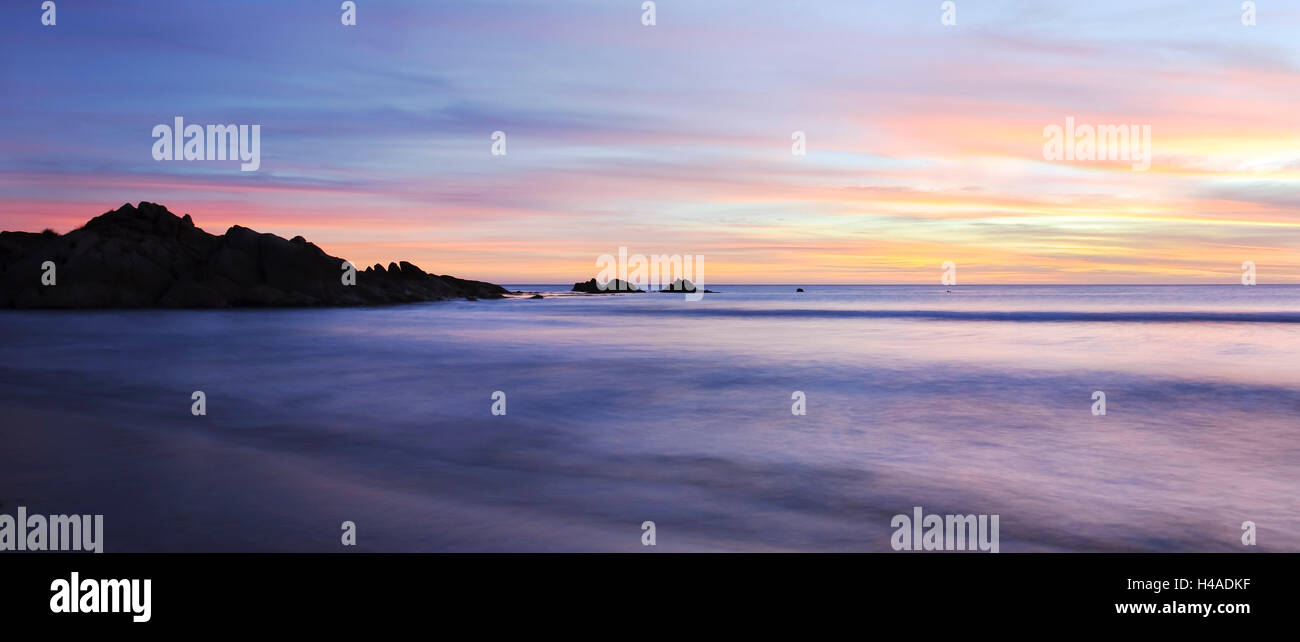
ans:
(615, 285)
(798, 289)
(146, 256)
(683, 285)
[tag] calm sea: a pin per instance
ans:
(631, 408)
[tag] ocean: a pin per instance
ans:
(624, 409)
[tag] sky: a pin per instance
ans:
(924, 142)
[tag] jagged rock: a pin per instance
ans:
(683, 285)
(411, 272)
(145, 256)
(612, 286)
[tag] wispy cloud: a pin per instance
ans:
(924, 142)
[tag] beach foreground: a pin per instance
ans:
(628, 408)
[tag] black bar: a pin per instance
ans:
(515, 590)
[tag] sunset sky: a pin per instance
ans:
(924, 141)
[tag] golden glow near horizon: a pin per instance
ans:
(678, 141)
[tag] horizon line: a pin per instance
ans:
(806, 284)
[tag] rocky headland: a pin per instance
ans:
(144, 256)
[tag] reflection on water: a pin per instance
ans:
(629, 408)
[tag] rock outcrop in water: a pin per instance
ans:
(683, 285)
(609, 287)
(146, 256)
